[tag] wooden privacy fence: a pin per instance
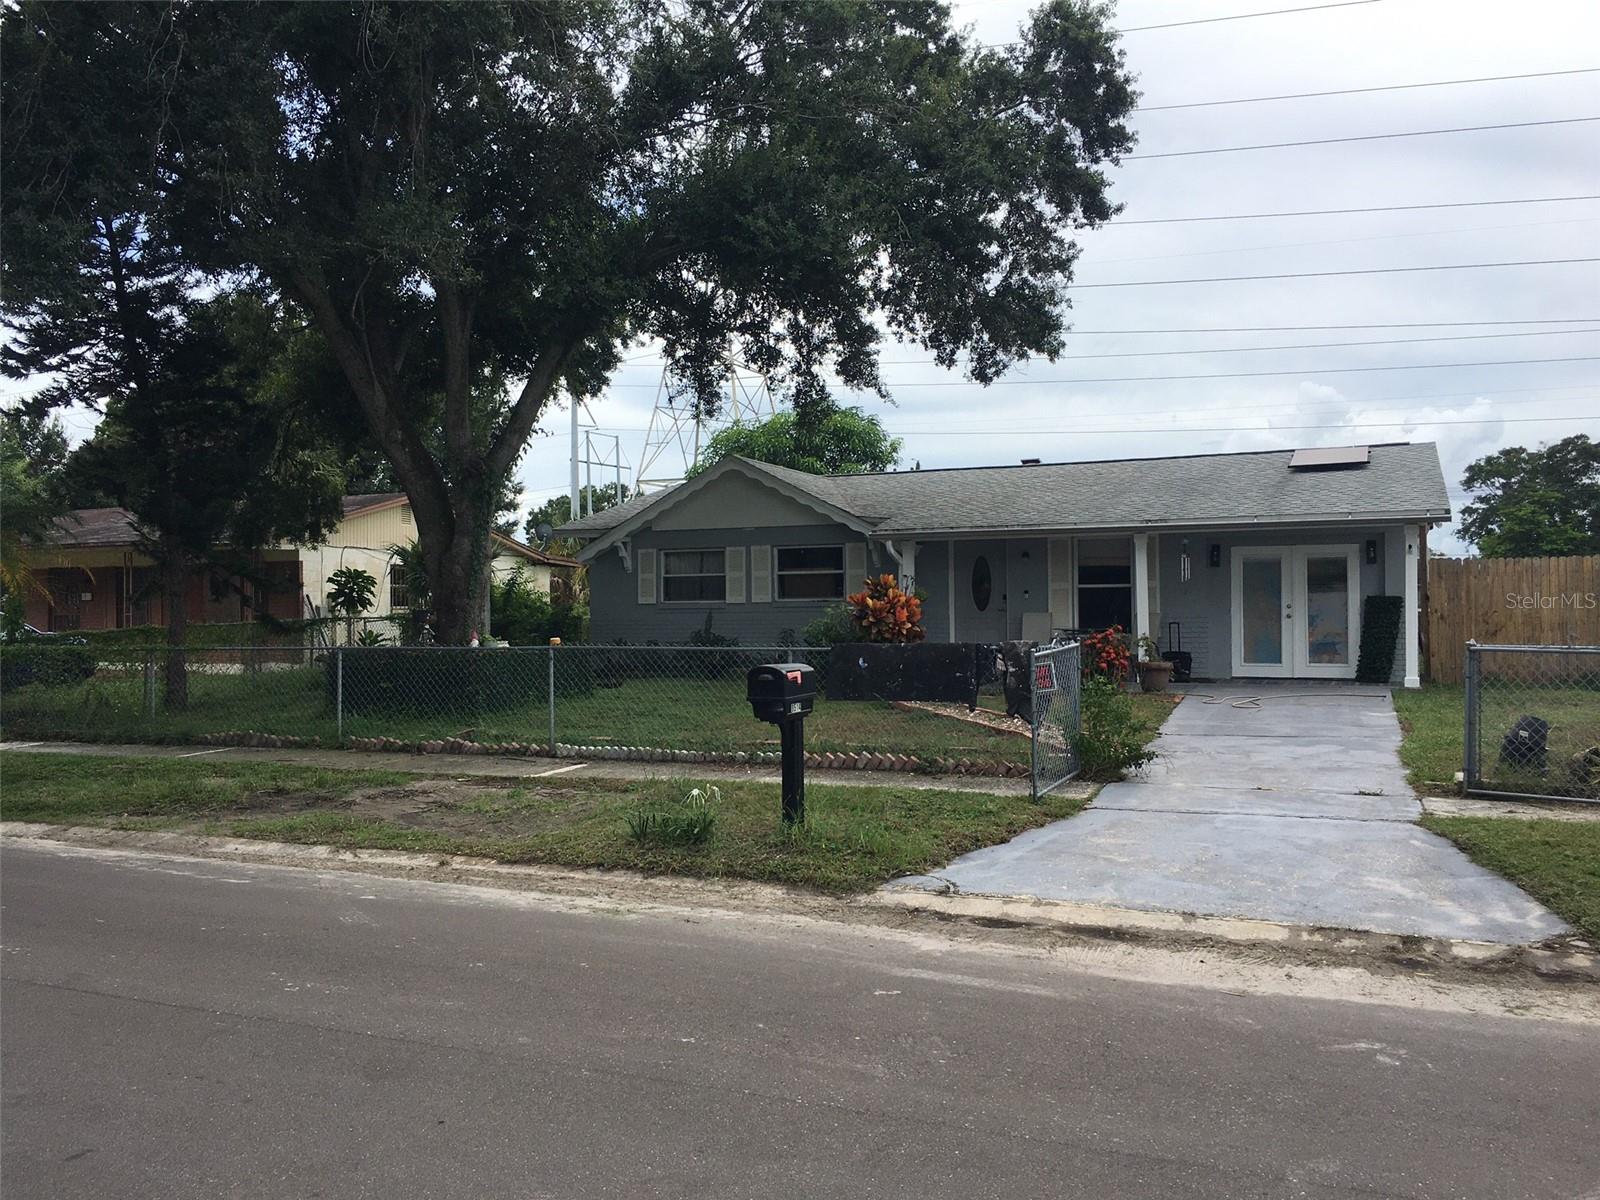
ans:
(1509, 601)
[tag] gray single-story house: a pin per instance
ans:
(1256, 562)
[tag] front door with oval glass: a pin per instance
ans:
(978, 579)
(1296, 611)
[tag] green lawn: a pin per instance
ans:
(855, 837)
(654, 712)
(1433, 724)
(1556, 862)
(72, 788)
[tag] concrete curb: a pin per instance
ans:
(1102, 922)
(1552, 961)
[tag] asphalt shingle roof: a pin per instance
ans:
(1400, 479)
(93, 527)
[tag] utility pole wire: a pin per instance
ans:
(1524, 262)
(1388, 87)
(1336, 212)
(1275, 12)
(1366, 137)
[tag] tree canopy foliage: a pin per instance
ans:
(1535, 502)
(837, 441)
(465, 196)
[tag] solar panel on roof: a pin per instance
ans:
(1317, 457)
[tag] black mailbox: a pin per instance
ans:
(781, 692)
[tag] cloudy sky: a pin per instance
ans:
(1421, 386)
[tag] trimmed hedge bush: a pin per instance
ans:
(1380, 634)
(906, 671)
(392, 679)
(29, 662)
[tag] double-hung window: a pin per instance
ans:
(1105, 583)
(810, 572)
(693, 576)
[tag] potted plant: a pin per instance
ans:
(1155, 672)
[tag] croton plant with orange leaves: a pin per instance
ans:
(885, 613)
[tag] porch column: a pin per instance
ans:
(1141, 589)
(1413, 572)
(908, 566)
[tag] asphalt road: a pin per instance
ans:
(185, 1028)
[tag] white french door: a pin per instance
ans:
(1296, 611)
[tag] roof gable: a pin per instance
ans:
(798, 503)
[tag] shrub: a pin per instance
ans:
(524, 616)
(1111, 739)
(834, 626)
(388, 679)
(50, 665)
(686, 822)
(706, 636)
(884, 613)
(1380, 631)
(1105, 654)
(350, 591)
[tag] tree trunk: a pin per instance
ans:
(174, 595)
(457, 590)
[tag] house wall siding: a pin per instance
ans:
(615, 613)
(933, 581)
(1202, 606)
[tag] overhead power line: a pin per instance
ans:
(1308, 409)
(1379, 325)
(1407, 341)
(1460, 337)
(1504, 362)
(1388, 87)
(1147, 429)
(1365, 137)
(930, 383)
(1338, 212)
(1275, 12)
(1524, 262)
(1282, 406)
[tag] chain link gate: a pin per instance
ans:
(1533, 722)
(1057, 694)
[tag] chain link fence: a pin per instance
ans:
(652, 703)
(1533, 722)
(1057, 704)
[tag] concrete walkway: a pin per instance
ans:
(1280, 802)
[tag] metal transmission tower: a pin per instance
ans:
(677, 433)
(591, 452)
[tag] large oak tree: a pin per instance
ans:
(462, 193)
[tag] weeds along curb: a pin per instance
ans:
(863, 760)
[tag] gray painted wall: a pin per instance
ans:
(1201, 606)
(933, 581)
(616, 615)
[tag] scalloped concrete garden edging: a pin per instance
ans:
(862, 760)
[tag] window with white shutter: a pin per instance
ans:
(855, 566)
(644, 566)
(760, 574)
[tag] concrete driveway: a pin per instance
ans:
(1281, 802)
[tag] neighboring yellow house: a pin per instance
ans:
(372, 523)
(92, 575)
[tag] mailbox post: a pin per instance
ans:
(782, 694)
